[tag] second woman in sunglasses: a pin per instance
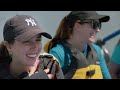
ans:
(73, 45)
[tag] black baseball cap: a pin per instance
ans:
(82, 15)
(22, 28)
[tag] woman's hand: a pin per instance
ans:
(50, 76)
(33, 70)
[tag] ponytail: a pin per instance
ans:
(4, 54)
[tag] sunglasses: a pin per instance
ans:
(95, 24)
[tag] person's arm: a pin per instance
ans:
(104, 68)
(114, 65)
(113, 68)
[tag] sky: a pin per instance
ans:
(49, 21)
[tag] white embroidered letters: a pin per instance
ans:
(30, 21)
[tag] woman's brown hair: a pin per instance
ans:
(4, 54)
(63, 32)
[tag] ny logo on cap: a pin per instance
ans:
(30, 21)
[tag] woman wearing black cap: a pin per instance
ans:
(73, 46)
(20, 51)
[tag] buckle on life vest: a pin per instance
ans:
(90, 73)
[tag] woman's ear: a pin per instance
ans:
(77, 25)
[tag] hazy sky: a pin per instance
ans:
(49, 21)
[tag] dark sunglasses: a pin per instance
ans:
(95, 24)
